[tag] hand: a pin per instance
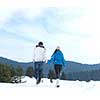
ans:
(48, 62)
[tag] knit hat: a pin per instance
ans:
(58, 47)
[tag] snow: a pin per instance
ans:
(68, 90)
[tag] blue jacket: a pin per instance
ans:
(57, 58)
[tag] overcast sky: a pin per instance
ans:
(71, 24)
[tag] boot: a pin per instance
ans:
(57, 83)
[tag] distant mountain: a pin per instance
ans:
(15, 63)
(77, 67)
(69, 68)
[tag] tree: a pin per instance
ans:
(5, 73)
(19, 72)
(13, 71)
(51, 74)
(30, 72)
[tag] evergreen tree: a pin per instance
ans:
(51, 74)
(13, 71)
(30, 72)
(5, 73)
(19, 72)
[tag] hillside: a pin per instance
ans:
(15, 63)
(70, 67)
(72, 70)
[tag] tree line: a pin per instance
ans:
(7, 72)
(84, 75)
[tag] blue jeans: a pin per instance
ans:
(38, 69)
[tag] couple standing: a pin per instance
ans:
(39, 59)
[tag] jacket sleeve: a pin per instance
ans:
(51, 60)
(44, 57)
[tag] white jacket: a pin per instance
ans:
(39, 54)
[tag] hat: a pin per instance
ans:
(58, 47)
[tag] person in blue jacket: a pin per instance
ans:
(58, 60)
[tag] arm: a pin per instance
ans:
(51, 60)
(44, 57)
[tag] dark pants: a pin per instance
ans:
(38, 66)
(58, 69)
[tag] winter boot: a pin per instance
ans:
(51, 80)
(38, 80)
(57, 83)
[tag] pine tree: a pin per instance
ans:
(19, 72)
(30, 72)
(51, 74)
(5, 73)
(13, 71)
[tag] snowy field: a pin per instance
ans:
(68, 90)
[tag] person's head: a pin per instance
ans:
(40, 43)
(58, 48)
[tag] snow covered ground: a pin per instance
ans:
(69, 90)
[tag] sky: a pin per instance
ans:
(71, 24)
(71, 90)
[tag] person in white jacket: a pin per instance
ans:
(39, 59)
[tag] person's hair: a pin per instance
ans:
(40, 43)
(55, 51)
